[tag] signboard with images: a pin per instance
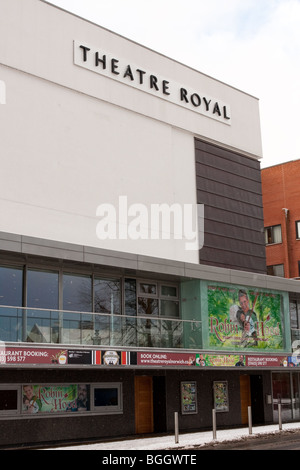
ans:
(221, 402)
(29, 355)
(188, 397)
(241, 319)
(55, 398)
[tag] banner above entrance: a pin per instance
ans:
(15, 356)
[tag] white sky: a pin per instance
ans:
(253, 45)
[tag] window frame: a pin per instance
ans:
(297, 224)
(159, 297)
(16, 411)
(274, 266)
(19, 413)
(19, 267)
(140, 293)
(271, 227)
(109, 409)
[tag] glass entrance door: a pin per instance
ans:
(282, 395)
(295, 396)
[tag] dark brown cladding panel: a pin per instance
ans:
(229, 186)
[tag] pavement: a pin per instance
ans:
(185, 441)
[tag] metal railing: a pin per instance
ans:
(21, 324)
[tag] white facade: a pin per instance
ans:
(74, 137)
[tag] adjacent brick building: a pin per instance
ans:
(281, 203)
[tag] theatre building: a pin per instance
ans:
(133, 279)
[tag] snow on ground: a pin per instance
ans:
(185, 441)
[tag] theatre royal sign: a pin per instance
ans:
(124, 71)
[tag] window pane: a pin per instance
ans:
(77, 293)
(172, 334)
(267, 236)
(273, 234)
(282, 395)
(8, 400)
(107, 296)
(293, 314)
(277, 270)
(169, 291)
(11, 322)
(130, 297)
(277, 234)
(298, 229)
(148, 306)
(42, 289)
(71, 328)
(149, 333)
(106, 397)
(11, 286)
(169, 308)
(42, 326)
(87, 328)
(146, 288)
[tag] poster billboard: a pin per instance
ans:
(241, 318)
(221, 402)
(188, 397)
(55, 398)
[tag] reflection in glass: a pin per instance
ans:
(130, 296)
(171, 334)
(281, 386)
(147, 288)
(42, 289)
(148, 333)
(11, 286)
(293, 314)
(107, 296)
(169, 308)
(77, 293)
(42, 326)
(147, 306)
(170, 291)
(71, 328)
(87, 328)
(11, 321)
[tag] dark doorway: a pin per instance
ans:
(159, 404)
(257, 399)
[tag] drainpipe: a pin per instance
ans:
(285, 235)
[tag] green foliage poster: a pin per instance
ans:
(244, 318)
(55, 398)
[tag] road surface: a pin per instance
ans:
(288, 440)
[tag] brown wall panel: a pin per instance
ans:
(229, 186)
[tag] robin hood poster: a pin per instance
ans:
(241, 318)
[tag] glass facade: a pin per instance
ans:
(286, 386)
(42, 289)
(53, 306)
(77, 293)
(107, 295)
(11, 286)
(64, 307)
